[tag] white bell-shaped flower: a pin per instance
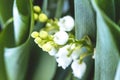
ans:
(62, 58)
(66, 23)
(61, 37)
(78, 69)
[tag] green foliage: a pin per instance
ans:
(107, 46)
(21, 59)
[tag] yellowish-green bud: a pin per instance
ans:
(34, 34)
(43, 34)
(47, 47)
(43, 17)
(37, 9)
(35, 16)
(48, 25)
(38, 40)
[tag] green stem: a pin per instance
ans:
(44, 7)
(59, 8)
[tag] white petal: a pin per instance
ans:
(78, 69)
(53, 51)
(64, 62)
(62, 58)
(66, 23)
(61, 38)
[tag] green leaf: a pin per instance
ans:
(21, 16)
(84, 19)
(107, 46)
(16, 60)
(117, 11)
(5, 10)
(107, 7)
(46, 67)
(6, 39)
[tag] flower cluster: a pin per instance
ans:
(57, 39)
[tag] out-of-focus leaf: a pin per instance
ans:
(117, 76)
(85, 25)
(84, 19)
(59, 8)
(6, 39)
(5, 10)
(107, 7)
(21, 16)
(117, 10)
(16, 58)
(108, 45)
(46, 67)
(62, 74)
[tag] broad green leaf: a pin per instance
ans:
(107, 46)
(85, 25)
(107, 7)
(16, 58)
(21, 16)
(46, 67)
(16, 61)
(5, 10)
(84, 19)
(41, 65)
(6, 39)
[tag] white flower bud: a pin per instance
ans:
(66, 23)
(61, 38)
(78, 69)
(62, 58)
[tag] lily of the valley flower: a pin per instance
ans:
(62, 58)
(78, 68)
(66, 23)
(61, 37)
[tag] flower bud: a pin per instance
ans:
(43, 34)
(35, 16)
(34, 34)
(37, 9)
(47, 47)
(37, 40)
(43, 17)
